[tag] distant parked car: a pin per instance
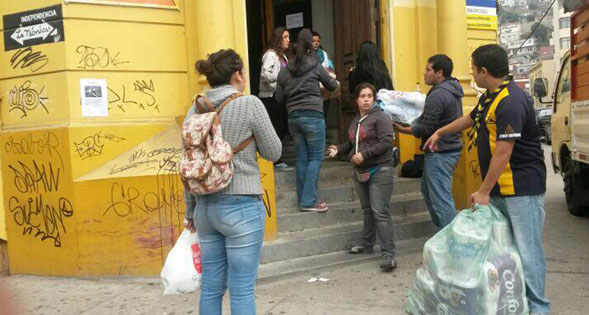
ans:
(543, 116)
(548, 133)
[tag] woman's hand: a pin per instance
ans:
(332, 151)
(189, 225)
(357, 159)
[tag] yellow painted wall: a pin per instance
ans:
(420, 29)
(468, 178)
(101, 195)
(405, 19)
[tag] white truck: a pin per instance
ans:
(570, 113)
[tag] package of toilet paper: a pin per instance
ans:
(470, 267)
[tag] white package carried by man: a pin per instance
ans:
(402, 107)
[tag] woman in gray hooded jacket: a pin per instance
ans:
(298, 87)
(369, 145)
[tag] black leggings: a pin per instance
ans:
(278, 116)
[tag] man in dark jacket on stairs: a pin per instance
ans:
(443, 105)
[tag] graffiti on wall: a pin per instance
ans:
(98, 57)
(47, 144)
(166, 194)
(25, 98)
(163, 159)
(93, 145)
(141, 95)
(27, 58)
(36, 202)
(161, 197)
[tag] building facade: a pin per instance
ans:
(562, 32)
(93, 90)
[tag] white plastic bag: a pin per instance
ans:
(183, 268)
(471, 267)
(402, 107)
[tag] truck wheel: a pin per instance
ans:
(573, 190)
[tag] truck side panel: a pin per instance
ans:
(580, 131)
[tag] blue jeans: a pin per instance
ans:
(231, 231)
(436, 186)
(309, 139)
(526, 214)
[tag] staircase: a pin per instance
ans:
(308, 241)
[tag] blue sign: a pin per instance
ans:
(482, 3)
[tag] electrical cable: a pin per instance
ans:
(536, 26)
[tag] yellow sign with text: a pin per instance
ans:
(481, 22)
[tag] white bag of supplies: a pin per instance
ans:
(183, 268)
(471, 267)
(402, 107)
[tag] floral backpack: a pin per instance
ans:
(206, 164)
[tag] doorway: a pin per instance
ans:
(342, 24)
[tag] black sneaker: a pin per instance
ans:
(388, 263)
(361, 250)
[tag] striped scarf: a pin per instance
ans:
(484, 102)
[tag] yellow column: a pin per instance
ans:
(452, 41)
(414, 29)
(404, 42)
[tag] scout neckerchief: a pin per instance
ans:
(481, 106)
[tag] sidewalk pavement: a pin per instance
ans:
(357, 289)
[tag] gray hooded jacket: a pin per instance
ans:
(443, 105)
(300, 89)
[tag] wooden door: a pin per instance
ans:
(355, 21)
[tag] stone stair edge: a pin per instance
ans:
(344, 205)
(341, 228)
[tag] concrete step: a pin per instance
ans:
(291, 220)
(274, 271)
(333, 238)
(332, 172)
(286, 195)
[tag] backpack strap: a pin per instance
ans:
(227, 100)
(243, 145)
(210, 107)
(245, 142)
(207, 103)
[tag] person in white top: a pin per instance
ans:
(273, 60)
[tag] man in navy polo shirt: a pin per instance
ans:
(503, 127)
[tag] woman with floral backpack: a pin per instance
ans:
(230, 222)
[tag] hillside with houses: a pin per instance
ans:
(535, 48)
